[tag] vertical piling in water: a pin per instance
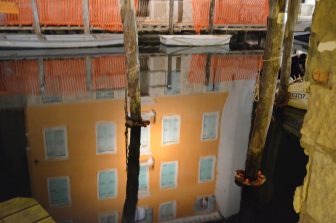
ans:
(271, 66)
(180, 11)
(86, 19)
(211, 16)
(36, 21)
(293, 9)
(171, 16)
(133, 74)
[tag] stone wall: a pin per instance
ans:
(316, 199)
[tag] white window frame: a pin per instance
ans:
(174, 210)
(65, 146)
(108, 214)
(176, 175)
(145, 193)
(216, 127)
(69, 193)
(116, 189)
(178, 117)
(115, 138)
(213, 169)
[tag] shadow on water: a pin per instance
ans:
(284, 164)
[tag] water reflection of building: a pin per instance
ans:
(78, 172)
(46, 80)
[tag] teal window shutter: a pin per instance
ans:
(106, 137)
(168, 175)
(107, 184)
(206, 169)
(210, 126)
(55, 143)
(59, 191)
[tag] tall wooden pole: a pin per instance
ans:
(86, 14)
(211, 16)
(171, 16)
(293, 10)
(36, 21)
(133, 74)
(272, 59)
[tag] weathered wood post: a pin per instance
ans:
(86, 14)
(293, 10)
(211, 16)
(135, 121)
(171, 16)
(88, 71)
(36, 21)
(272, 59)
(207, 70)
(169, 75)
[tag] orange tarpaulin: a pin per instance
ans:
(19, 77)
(65, 77)
(201, 9)
(224, 68)
(60, 12)
(24, 17)
(230, 12)
(105, 14)
(9, 8)
(109, 72)
(241, 12)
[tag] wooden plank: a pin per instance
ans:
(23, 210)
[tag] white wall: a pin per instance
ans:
(234, 135)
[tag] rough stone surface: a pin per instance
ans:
(316, 198)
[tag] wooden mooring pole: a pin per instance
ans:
(211, 16)
(271, 66)
(134, 121)
(171, 16)
(285, 73)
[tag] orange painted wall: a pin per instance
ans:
(83, 163)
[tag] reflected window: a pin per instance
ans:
(104, 94)
(51, 99)
(143, 179)
(144, 215)
(55, 143)
(167, 210)
(210, 126)
(168, 175)
(145, 140)
(205, 204)
(107, 184)
(206, 169)
(59, 191)
(108, 217)
(171, 129)
(106, 140)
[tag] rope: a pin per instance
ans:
(133, 69)
(257, 85)
(274, 58)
